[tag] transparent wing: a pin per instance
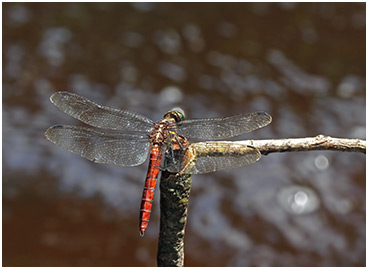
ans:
(101, 147)
(210, 157)
(100, 116)
(207, 164)
(221, 128)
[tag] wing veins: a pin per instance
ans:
(100, 116)
(102, 147)
(221, 128)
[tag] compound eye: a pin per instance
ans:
(177, 114)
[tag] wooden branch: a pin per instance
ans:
(174, 198)
(320, 142)
(175, 188)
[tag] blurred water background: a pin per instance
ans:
(302, 63)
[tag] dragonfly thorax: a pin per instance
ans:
(162, 131)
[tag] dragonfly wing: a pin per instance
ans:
(101, 147)
(100, 116)
(221, 128)
(206, 159)
(207, 164)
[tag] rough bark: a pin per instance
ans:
(320, 142)
(174, 198)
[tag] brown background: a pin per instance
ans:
(302, 63)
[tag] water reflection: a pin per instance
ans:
(321, 162)
(171, 94)
(53, 43)
(298, 200)
(302, 63)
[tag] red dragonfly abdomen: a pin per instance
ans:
(149, 187)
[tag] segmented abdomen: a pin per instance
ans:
(149, 187)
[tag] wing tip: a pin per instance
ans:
(265, 116)
(58, 126)
(49, 131)
(57, 95)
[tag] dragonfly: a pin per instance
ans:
(126, 138)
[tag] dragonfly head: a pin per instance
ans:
(176, 113)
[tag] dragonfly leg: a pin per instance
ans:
(191, 157)
(166, 162)
(181, 144)
(161, 167)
